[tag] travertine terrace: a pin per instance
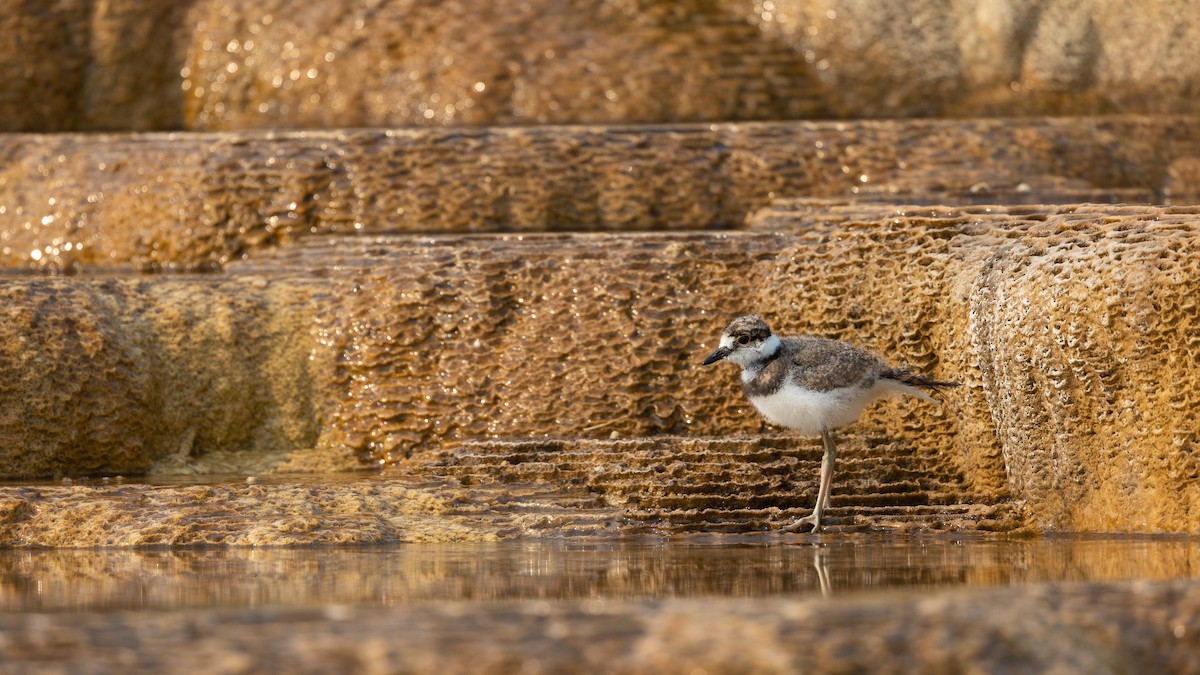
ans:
(367, 272)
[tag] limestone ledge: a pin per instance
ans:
(197, 201)
(1073, 329)
(246, 514)
(1094, 628)
(236, 64)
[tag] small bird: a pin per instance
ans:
(813, 385)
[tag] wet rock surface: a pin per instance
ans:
(252, 514)
(198, 201)
(398, 347)
(235, 64)
(149, 372)
(742, 484)
(498, 326)
(1100, 628)
(483, 491)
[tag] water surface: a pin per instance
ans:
(565, 569)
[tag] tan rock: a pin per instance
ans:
(198, 201)
(1074, 319)
(1095, 628)
(1072, 328)
(111, 375)
(416, 63)
(234, 64)
(250, 514)
(1011, 57)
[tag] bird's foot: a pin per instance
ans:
(813, 520)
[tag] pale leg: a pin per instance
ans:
(814, 519)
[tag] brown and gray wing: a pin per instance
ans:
(823, 364)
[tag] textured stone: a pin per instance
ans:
(878, 58)
(1094, 628)
(420, 62)
(236, 64)
(229, 515)
(197, 201)
(1073, 329)
(112, 375)
(680, 484)
(1075, 319)
(91, 65)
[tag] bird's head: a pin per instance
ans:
(746, 340)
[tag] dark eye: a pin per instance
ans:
(743, 339)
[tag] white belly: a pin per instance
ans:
(808, 412)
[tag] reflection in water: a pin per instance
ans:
(821, 564)
(63, 580)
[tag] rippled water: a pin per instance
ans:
(750, 566)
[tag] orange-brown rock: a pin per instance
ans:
(1094, 628)
(109, 376)
(740, 484)
(234, 64)
(1074, 319)
(249, 514)
(197, 201)
(997, 58)
(1072, 328)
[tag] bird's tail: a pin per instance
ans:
(918, 384)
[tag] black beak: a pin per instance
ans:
(721, 353)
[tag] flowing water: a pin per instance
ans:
(568, 569)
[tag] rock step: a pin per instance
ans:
(982, 517)
(568, 513)
(424, 343)
(697, 477)
(197, 201)
(738, 475)
(739, 496)
(675, 617)
(571, 460)
(726, 484)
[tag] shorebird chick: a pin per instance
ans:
(813, 385)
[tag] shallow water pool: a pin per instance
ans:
(569, 569)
